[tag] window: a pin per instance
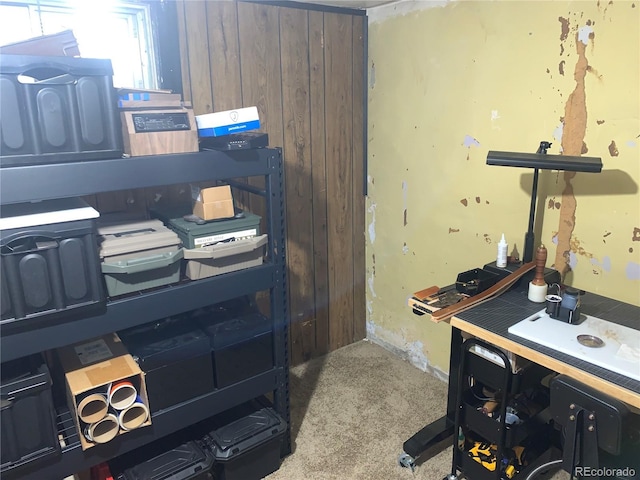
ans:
(114, 29)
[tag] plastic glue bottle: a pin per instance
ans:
(501, 260)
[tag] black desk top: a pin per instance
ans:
(497, 315)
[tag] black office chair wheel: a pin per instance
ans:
(406, 461)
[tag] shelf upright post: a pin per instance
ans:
(279, 302)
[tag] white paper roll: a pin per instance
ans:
(537, 293)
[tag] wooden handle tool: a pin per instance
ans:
(541, 261)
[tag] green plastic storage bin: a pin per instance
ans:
(198, 236)
(139, 256)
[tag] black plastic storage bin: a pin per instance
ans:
(241, 346)
(57, 109)
(185, 462)
(48, 268)
(28, 421)
(245, 442)
(176, 358)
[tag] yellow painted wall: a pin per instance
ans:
(449, 83)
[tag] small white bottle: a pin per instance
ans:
(501, 260)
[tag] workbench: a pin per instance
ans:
(490, 322)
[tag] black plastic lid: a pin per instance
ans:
(22, 374)
(165, 342)
(235, 330)
(180, 463)
(241, 434)
(42, 67)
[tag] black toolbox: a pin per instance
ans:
(158, 462)
(241, 346)
(49, 260)
(176, 357)
(27, 414)
(67, 111)
(245, 441)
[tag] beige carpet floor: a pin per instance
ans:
(352, 410)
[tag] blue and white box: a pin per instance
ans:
(230, 121)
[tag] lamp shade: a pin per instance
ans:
(545, 161)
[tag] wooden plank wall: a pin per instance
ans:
(304, 70)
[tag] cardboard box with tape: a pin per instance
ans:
(106, 391)
(212, 203)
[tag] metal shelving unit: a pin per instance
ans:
(41, 182)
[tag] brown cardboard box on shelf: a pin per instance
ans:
(212, 203)
(91, 366)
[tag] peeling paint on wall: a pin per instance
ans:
(413, 352)
(405, 249)
(469, 141)
(370, 282)
(372, 76)
(633, 271)
(405, 196)
(495, 116)
(604, 265)
(586, 33)
(553, 204)
(372, 225)
(613, 149)
(577, 248)
(400, 8)
(464, 202)
(453, 230)
(572, 260)
(564, 29)
(635, 237)
(557, 132)
(574, 130)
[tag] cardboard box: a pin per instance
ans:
(91, 366)
(229, 121)
(213, 202)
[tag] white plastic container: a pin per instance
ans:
(501, 260)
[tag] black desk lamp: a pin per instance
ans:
(541, 161)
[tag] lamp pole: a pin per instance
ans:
(529, 237)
